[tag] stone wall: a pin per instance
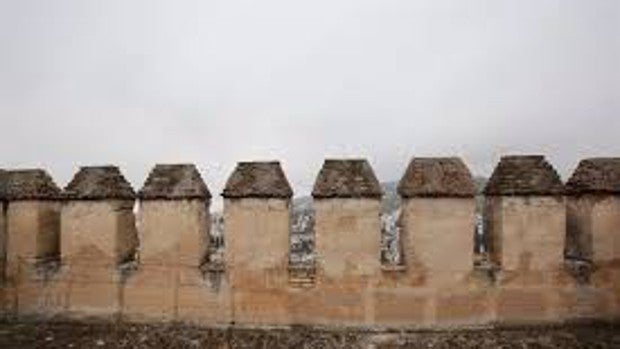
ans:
(33, 248)
(529, 233)
(33, 233)
(81, 253)
(174, 240)
(435, 228)
(3, 207)
(257, 246)
(528, 247)
(348, 249)
(593, 228)
(593, 238)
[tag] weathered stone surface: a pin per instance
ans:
(434, 228)
(346, 178)
(174, 240)
(583, 302)
(593, 212)
(102, 231)
(98, 183)
(593, 227)
(173, 232)
(3, 206)
(204, 299)
(527, 244)
(437, 177)
(339, 303)
(94, 300)
(257, 180)
(595, 176)
(524, 175)
(3, 184)
(30, 184)
(3, 241)
(579, 227)
(257, 245)
(8, 300)
(606, 231)
(172, 280)
(174, 182)
(97, 236)
(519, 305)
(95, 290)
(32, 234)
(348, 248)
(527, 233)
(348, 238)
(403, 307)
(150, 293)
(43, 297)
(462, 306)
(261, 306)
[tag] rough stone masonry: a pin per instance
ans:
(99, 249)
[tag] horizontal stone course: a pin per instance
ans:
(524, 175)
(437, 177)
(257, 180)
(104, 272)
(595, 175)
(173, 182)
(30, 184)
(346, 178)
(98, 183)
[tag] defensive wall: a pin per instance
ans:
(86, 251)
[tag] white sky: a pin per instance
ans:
(134, 83)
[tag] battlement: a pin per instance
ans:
(98, 248)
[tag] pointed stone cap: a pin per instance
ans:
(174, 182)
(595, 176)
(30, 184)
(99, 183)
(346, 178)
(437, 177)
(258, 180)
(524, 175)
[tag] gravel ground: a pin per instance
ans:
(65, 334)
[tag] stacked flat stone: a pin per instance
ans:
(173, 223)
(346, 178)
(347, 205)
(30, 184)
(524, 175)
(174, 182)
(99, 183)
(525, 216)
(32, 231)
(98, 237)
(257, 180)
(595, 176)
(437, 214)
(593, 212)
(527, 213)
(437, 177)
(257, 223)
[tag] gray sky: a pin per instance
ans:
(133, 83)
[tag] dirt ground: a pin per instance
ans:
(72, 334)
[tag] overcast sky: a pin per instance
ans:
(134, 83)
